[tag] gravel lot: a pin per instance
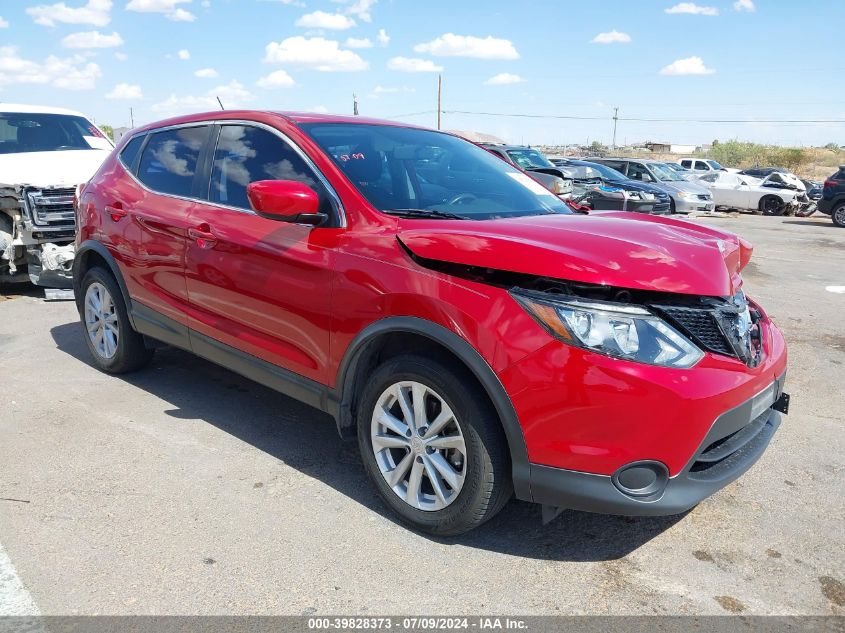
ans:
(186, 489)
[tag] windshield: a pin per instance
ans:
(22, 132)
(591, 171)
(400, 170)
(714, 164)
(529, 158)
(664, 173)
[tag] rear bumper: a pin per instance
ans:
(733, 445)
(826, 205)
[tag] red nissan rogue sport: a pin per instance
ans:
(479, 338)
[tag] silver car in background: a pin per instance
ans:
(687, 197)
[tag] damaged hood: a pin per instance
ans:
(618, 249)
(50, 169)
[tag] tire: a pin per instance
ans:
(838, 215)
(473, 446)
(771, 205)
(115, 347)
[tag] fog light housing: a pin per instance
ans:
(644, 480)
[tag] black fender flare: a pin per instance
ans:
(80, 267)
(467, 354)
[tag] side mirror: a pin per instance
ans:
(285, 201)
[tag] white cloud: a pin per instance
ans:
(687, 66)
(744, 5)
(184, 54)
(125, 92)
(314, 52)
(233, 95)
(94, 12)
(504, 78)
(206, 73)
(692, 8)
(318, 109)
(361, 9)
(355, 42)
(276, 79)
(323, 20)
(388, 90)
(92, 39)
(121, 57)
(611, 37)
(4, 24)
(71, 73)
(382, 37)
(168, 8)
(413, 65)
(451, 45)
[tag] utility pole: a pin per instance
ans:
(132, 118)
(615, 119)
(439, 98)
(354, 104)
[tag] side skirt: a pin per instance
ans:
(156, 326)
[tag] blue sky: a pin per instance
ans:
(715, 59)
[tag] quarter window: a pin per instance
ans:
(248, 154)
(130, 153)
(170, 158)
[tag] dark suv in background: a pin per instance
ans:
(833, 197)
(530, 160)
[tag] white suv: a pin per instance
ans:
(44, 154)
(701, 165)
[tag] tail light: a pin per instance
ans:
(829, 183)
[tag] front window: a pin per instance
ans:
(714, 164)
(529, 159)
(22, 133)
(415, 172)
(664, 173)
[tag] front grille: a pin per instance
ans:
(701, 325)
(51, 208)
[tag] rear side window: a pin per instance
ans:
(248, 154)
(129, 155)
(170, 158)
(701, 165)
(686, 163)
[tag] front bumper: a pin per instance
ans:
(736, 440)
(689, 206)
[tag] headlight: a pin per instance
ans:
(686, 195)
(616, 330)
(559, 186)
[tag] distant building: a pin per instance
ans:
(671, 148)
(120, 132)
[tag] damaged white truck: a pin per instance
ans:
(44, 154)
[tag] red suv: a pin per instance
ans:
(479, 338)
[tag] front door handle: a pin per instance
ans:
(203, 236)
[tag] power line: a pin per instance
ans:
(640, 119)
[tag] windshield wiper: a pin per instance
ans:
(426, 213)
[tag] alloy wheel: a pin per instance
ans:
(101, 320)
(839, 215)
(418, 445)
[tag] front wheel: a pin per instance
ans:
(838, 215)
(433, 446)
(771, 205)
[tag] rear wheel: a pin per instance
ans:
(771, 205)
(838, 215)
(115, 347)
(433, 446)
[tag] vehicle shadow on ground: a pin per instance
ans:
(814, 222)
(290, 431)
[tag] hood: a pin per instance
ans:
(675, 186)
(50, 169)
(635, 185)
(624, 250)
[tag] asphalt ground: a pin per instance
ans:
(186, 489)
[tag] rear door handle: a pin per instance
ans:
(203, 236)
(116, 211)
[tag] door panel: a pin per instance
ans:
(259, 285)
(150, 223)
